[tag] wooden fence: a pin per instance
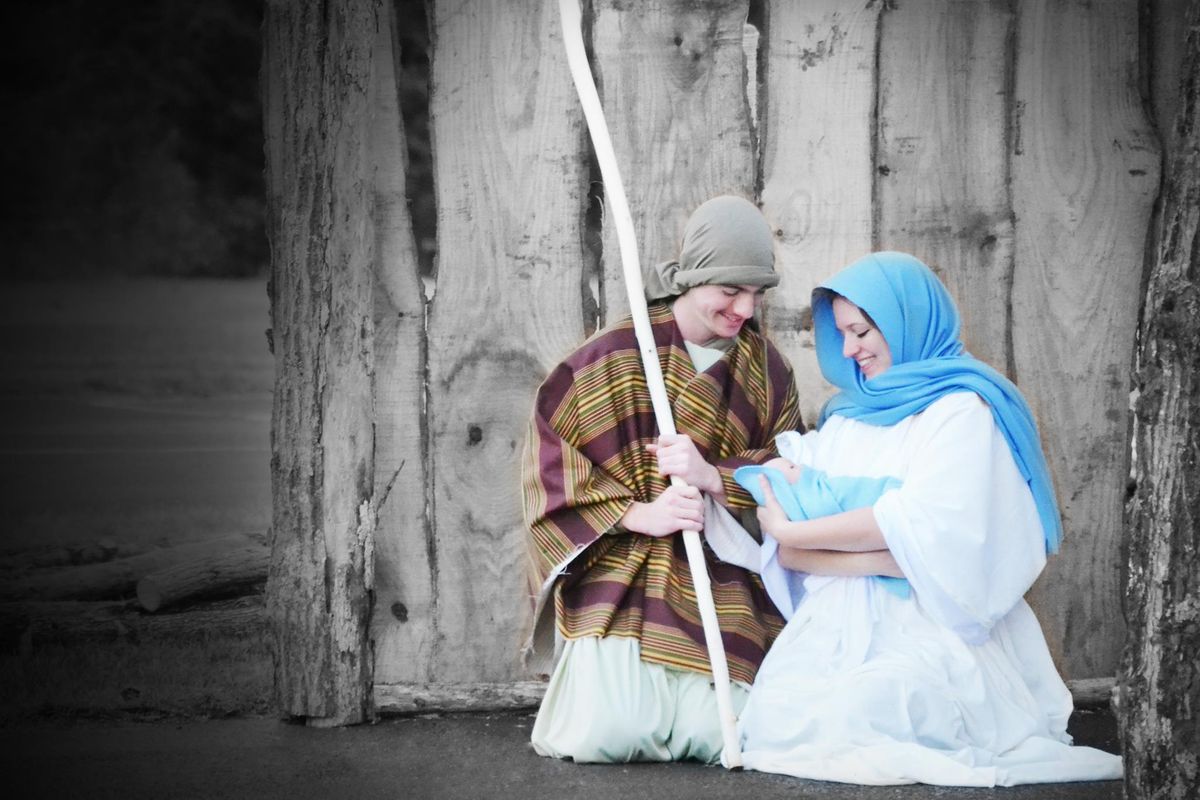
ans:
(1004, 143)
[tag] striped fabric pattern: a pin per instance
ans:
(585, 461)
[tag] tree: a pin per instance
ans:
(1160, 688)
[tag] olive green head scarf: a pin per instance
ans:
(727, 241)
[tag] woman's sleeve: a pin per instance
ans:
(963, 527)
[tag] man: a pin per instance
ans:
(632, 680)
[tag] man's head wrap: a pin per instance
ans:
(727, 242)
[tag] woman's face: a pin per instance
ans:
(861, 340)
(706, 313)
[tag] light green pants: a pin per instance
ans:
(605, 704)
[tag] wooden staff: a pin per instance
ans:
(619, 207)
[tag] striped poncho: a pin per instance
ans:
(586, 461)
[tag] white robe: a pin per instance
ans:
(952, 686)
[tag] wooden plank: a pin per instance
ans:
(409, 699)
(942, 161)
(1085, 173)
(402, 624)
(511, 177)
(322, 252)
(817, 161)
(672, 76)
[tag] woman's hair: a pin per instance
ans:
(830, 295)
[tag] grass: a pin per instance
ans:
(160, 373)
(220, 678)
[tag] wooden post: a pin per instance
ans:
(672, 77)
(1160, 687)
(318, 60)
(942, 162)
(511, 178)
(403, 626)
(817, 162)
(1084, 177)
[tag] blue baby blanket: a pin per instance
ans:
(815, 494)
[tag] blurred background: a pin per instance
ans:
(135, 375)
(134, 136)
(135, 379)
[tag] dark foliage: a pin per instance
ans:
(134, 138)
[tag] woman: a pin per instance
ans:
(945, 679)
(632, 679)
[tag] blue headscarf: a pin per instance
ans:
(920, 323)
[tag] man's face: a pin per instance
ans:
(706, 313)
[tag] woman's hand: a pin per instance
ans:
(677, 455)
(679, 508)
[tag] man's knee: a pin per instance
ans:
(605, 705)
(603, 734)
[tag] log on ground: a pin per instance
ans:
(114, 580)
(220, 572)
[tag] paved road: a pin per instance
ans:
(471, 756)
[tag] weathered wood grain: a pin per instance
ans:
(1160, 685)
(402, 623)
(817, 161)
(409, 698)
(942, 160)
(1085, 173)
(511, 178)
(317, 109)
(400, 449)
(672, 76)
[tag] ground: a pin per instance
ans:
(468, 756)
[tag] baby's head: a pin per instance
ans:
(790, 469)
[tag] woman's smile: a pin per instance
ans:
(861, 339)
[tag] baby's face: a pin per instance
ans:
(790, 470)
